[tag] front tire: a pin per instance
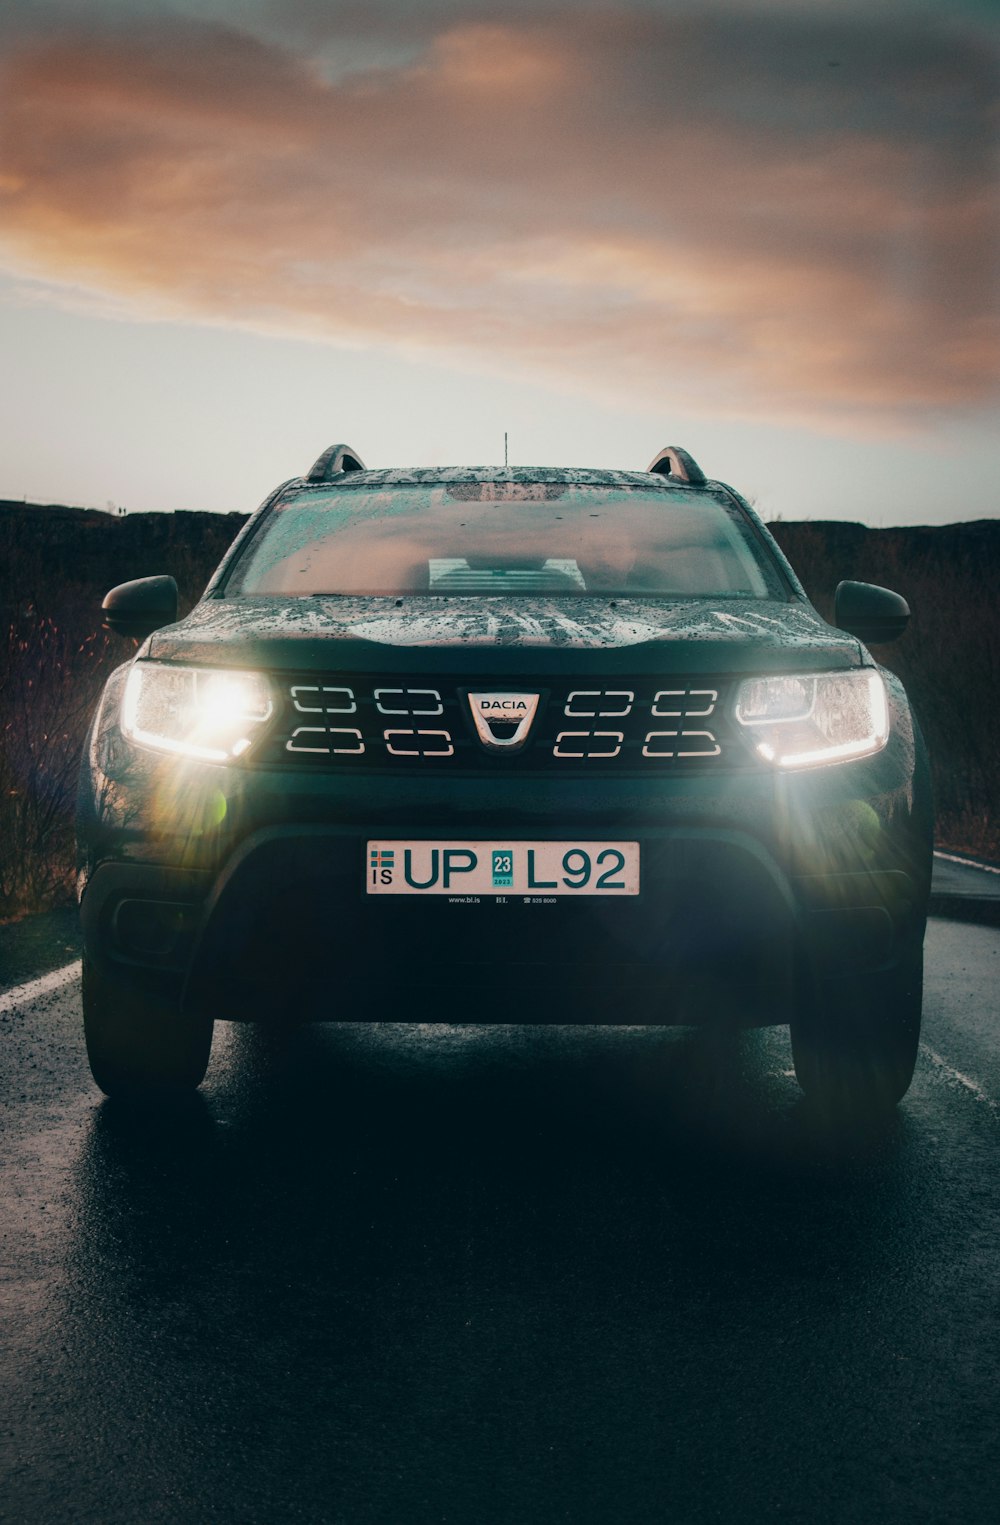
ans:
(139, 1043)
(855, 1040)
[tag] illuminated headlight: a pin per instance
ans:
(805, 722)
(196, 711)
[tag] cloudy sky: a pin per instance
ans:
(231, 233)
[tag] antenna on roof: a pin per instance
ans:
(505, 449)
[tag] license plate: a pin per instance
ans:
(502, 868)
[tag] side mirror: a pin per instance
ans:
(139, 607)
(874, 615)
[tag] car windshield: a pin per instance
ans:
(510, 538)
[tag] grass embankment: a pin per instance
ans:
(57, 563)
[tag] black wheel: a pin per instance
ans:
(855, 1041)
(138, 1042)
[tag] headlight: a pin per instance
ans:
(197, 711)
(804, 722)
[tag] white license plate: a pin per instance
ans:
(502, 868)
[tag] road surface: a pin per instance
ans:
(386, 1274)
(966, 889)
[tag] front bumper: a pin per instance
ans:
(286, 931)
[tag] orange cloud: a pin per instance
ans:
(676, 211)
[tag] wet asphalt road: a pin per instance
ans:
(406, 1275)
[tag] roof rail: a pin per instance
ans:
(334, 462)
(672, 461)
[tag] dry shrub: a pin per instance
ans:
(50, 678)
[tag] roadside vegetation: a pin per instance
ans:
(57, 563)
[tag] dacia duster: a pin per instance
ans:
(495, 745)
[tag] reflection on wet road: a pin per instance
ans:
(419, 1274)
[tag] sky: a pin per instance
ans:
(232, 234)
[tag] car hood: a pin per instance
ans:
(371, 634)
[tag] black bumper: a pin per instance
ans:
(285, 931)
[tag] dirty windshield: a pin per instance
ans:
(513, 539)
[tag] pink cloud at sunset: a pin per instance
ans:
(757, 215)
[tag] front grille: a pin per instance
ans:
(382, 724)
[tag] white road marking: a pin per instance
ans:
(22, 995)
(970, 1085)
(987, 868)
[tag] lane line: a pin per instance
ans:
(967, 1083)
(21, 995)
(986, 868)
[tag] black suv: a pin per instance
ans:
(485, 745)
